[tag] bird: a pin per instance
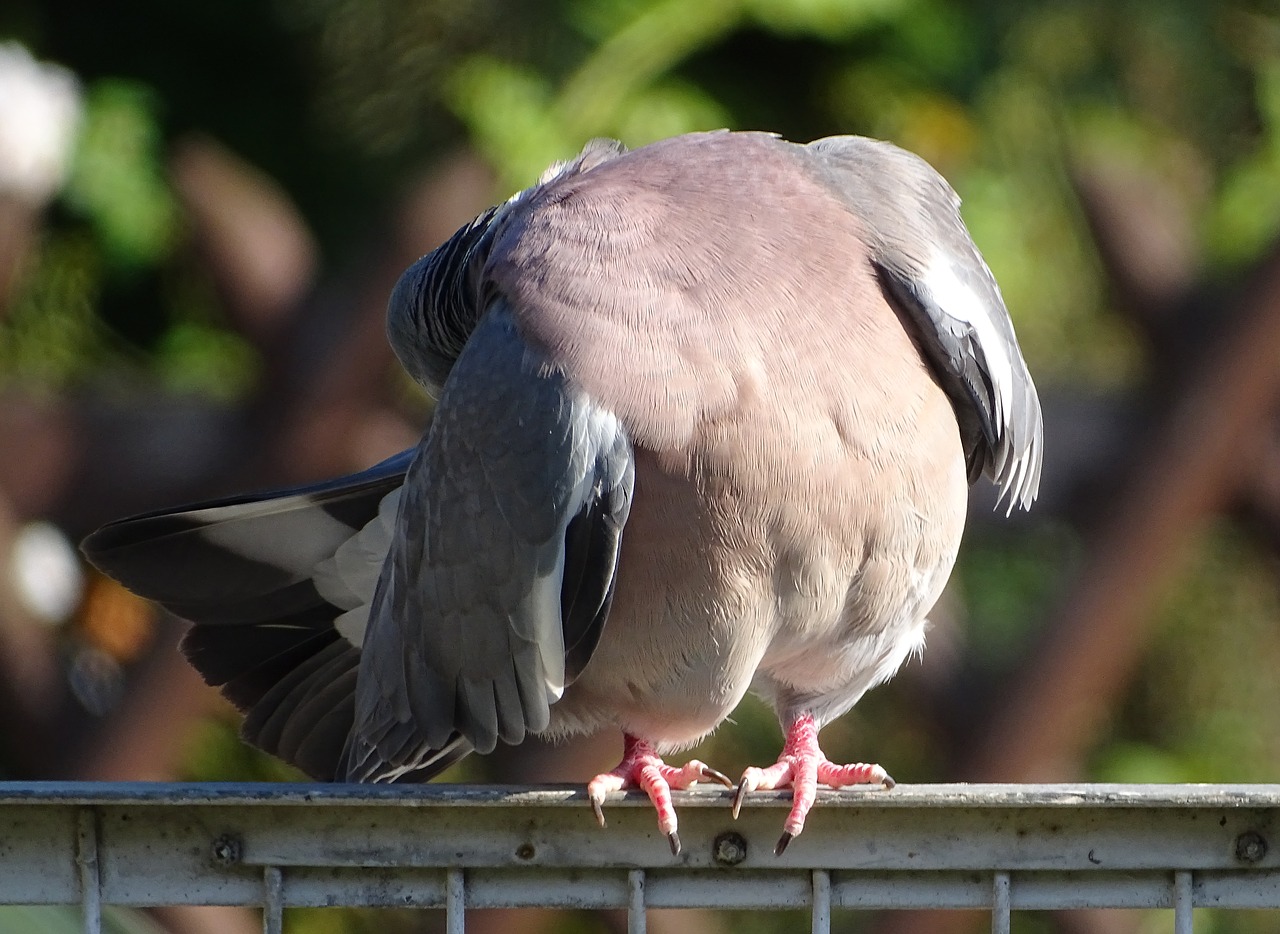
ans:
(707, 413)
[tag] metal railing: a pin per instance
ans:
(995, 847)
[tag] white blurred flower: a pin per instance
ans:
(46, 572)
(40, 111)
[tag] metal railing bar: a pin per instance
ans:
(944, 796)
(1000, 902)
(1256, 888)
(586, 887)
(455, 901)
(607, 888)
(90, 870)
(272, 900)
(849, 838)
(750, 888)
(636, 917)
(1182, 902)
(930, 846)
(821, 902)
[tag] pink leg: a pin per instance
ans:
(803, 766)
(641, 767)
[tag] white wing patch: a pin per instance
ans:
(306, 525)
(598, 431)
(348, 578)
(962, 303)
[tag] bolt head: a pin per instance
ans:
(1251, 847)
(227, 850)
(729, 849)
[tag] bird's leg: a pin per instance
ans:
(803, 766)
(641, 767)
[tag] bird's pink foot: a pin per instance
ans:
(641, 767)
(803, 767)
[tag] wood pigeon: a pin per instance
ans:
(707, 416)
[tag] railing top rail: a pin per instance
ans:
(942, 796)
(999, 847)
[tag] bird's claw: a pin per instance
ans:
(642, 768)
(597, 805)
(803, 767)
(748, 784)
(708, 774)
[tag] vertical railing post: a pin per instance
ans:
(272, 900)
(455, 901)
(90, 871)
(1182, 902)
(1000, 906)
(821, 901)
(636, 920)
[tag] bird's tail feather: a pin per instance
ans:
(244, 572)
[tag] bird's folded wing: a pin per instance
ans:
(932, 271)
(502, 567)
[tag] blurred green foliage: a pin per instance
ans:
(1203, 707)
(52, 331)
(106, 288)
(25, 919)
(342, 101)
(1000, 97)
(117, 180)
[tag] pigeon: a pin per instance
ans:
(707, 412)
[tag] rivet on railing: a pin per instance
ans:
(729, 848)
(227, 849)
(1251, 847)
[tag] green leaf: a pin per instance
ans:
(198, 358)
(117, 178)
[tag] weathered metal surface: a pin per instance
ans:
(940, 846)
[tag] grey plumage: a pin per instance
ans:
(248, 572)
(707, 414)
(932, 270)
(514, 458)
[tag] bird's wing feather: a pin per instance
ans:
(257, 575)
(932, 271)
(437, 301)
(279, 584)
(242, 559)
(499, 579)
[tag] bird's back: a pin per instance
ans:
(800, 482)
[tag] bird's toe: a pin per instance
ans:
(641, 767)
(803, 766)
